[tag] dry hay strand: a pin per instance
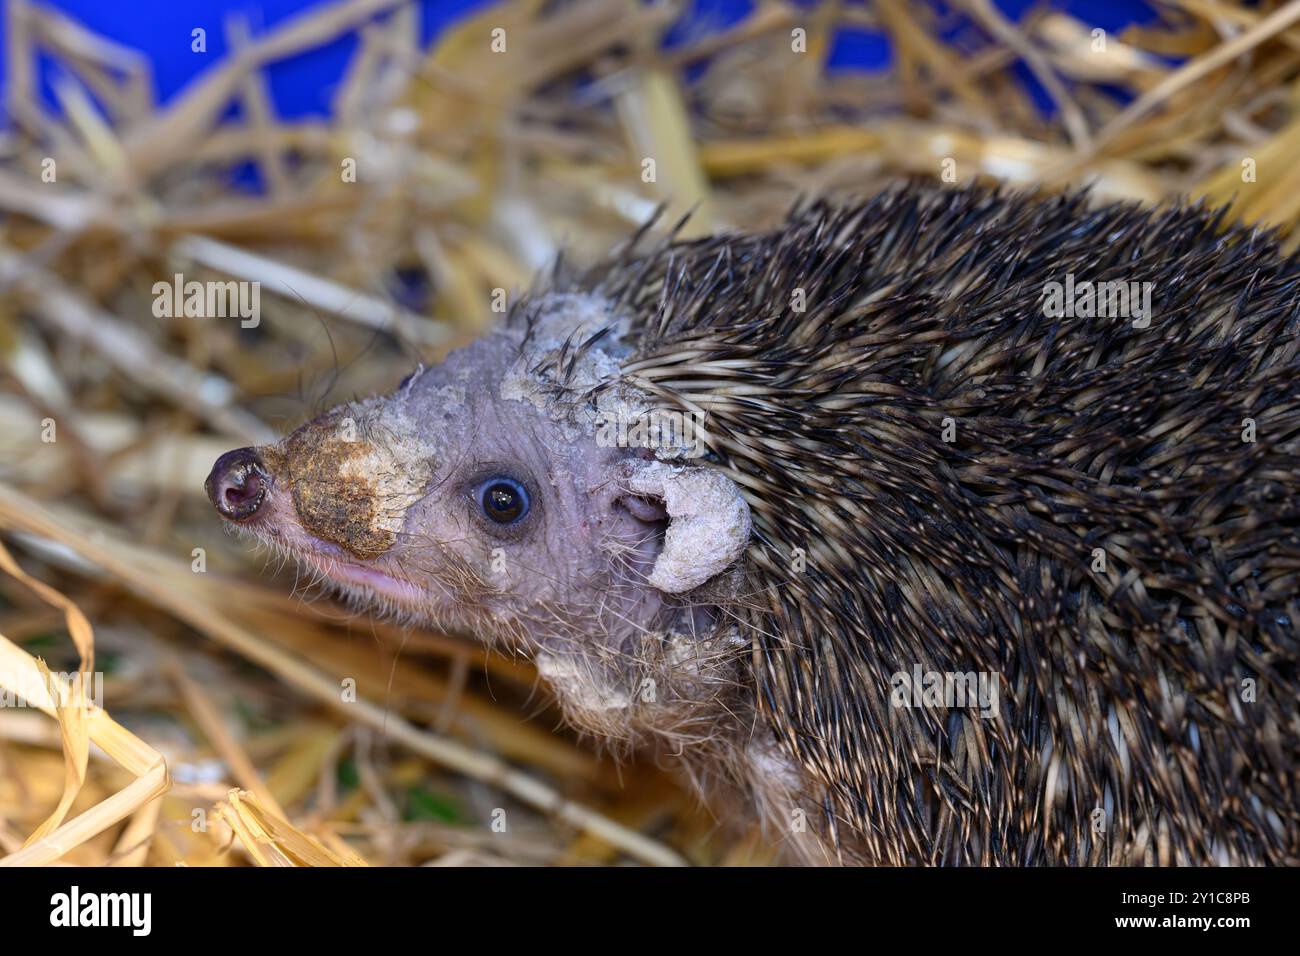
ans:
(80, 723)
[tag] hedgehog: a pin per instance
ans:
(941, 527)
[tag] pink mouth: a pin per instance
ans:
(276, 523)
(347, 572)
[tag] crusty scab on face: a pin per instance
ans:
(351, 486)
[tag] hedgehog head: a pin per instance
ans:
(513, 492)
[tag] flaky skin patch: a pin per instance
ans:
(348, 488)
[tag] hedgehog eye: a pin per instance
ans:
(503, 500)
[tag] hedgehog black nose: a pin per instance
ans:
(237, 484)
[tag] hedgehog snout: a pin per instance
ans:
(237, 484)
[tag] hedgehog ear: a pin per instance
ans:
(708, 522)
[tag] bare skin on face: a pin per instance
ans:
(471, 499)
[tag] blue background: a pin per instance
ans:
(304, 86)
